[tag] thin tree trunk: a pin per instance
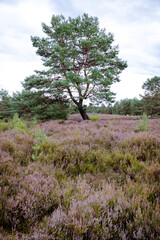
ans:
(83, 113)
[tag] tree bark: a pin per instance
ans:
(83, 113)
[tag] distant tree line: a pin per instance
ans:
(29, 104)
(123, 107)
(149, 103)
(151, 98)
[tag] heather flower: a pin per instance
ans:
(90, 180)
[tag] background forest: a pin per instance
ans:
(28, 104)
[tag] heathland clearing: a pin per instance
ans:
(79, 179)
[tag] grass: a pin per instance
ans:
(94, 117)
(80, 179)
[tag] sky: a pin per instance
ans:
(135, 25)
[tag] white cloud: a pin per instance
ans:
(13, 72)
(135, 25)
(17, 56)
(25, 16)
(130, 85)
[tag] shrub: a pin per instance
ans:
(94, 118)
(19, 146)
(3, 125)
(25, 200)
(17, 124)
(143, 124)
(104, 213)
(143, 146)
(89, 181)
(39, 135)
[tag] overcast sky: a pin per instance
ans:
(134, 23)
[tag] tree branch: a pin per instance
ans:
(71, 96)
(85, 64)
(90, 92)
(85, 93)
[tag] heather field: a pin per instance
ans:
(79, 179)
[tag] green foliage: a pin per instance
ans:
(33, 122)
(151, 98)
(41, 137)
(32, 105)
(17, 124)
(152, 86)
(94, 118)
(3, 125)
(37, 105)
(79, 59)
(5, 105)
(36, 153)
(128, 107)
(132, 107)
(143, 124)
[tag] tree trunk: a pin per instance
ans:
(83, 113)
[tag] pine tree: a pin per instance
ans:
(80, 61)
(151, 98)
(30, 104)
(5, 104)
